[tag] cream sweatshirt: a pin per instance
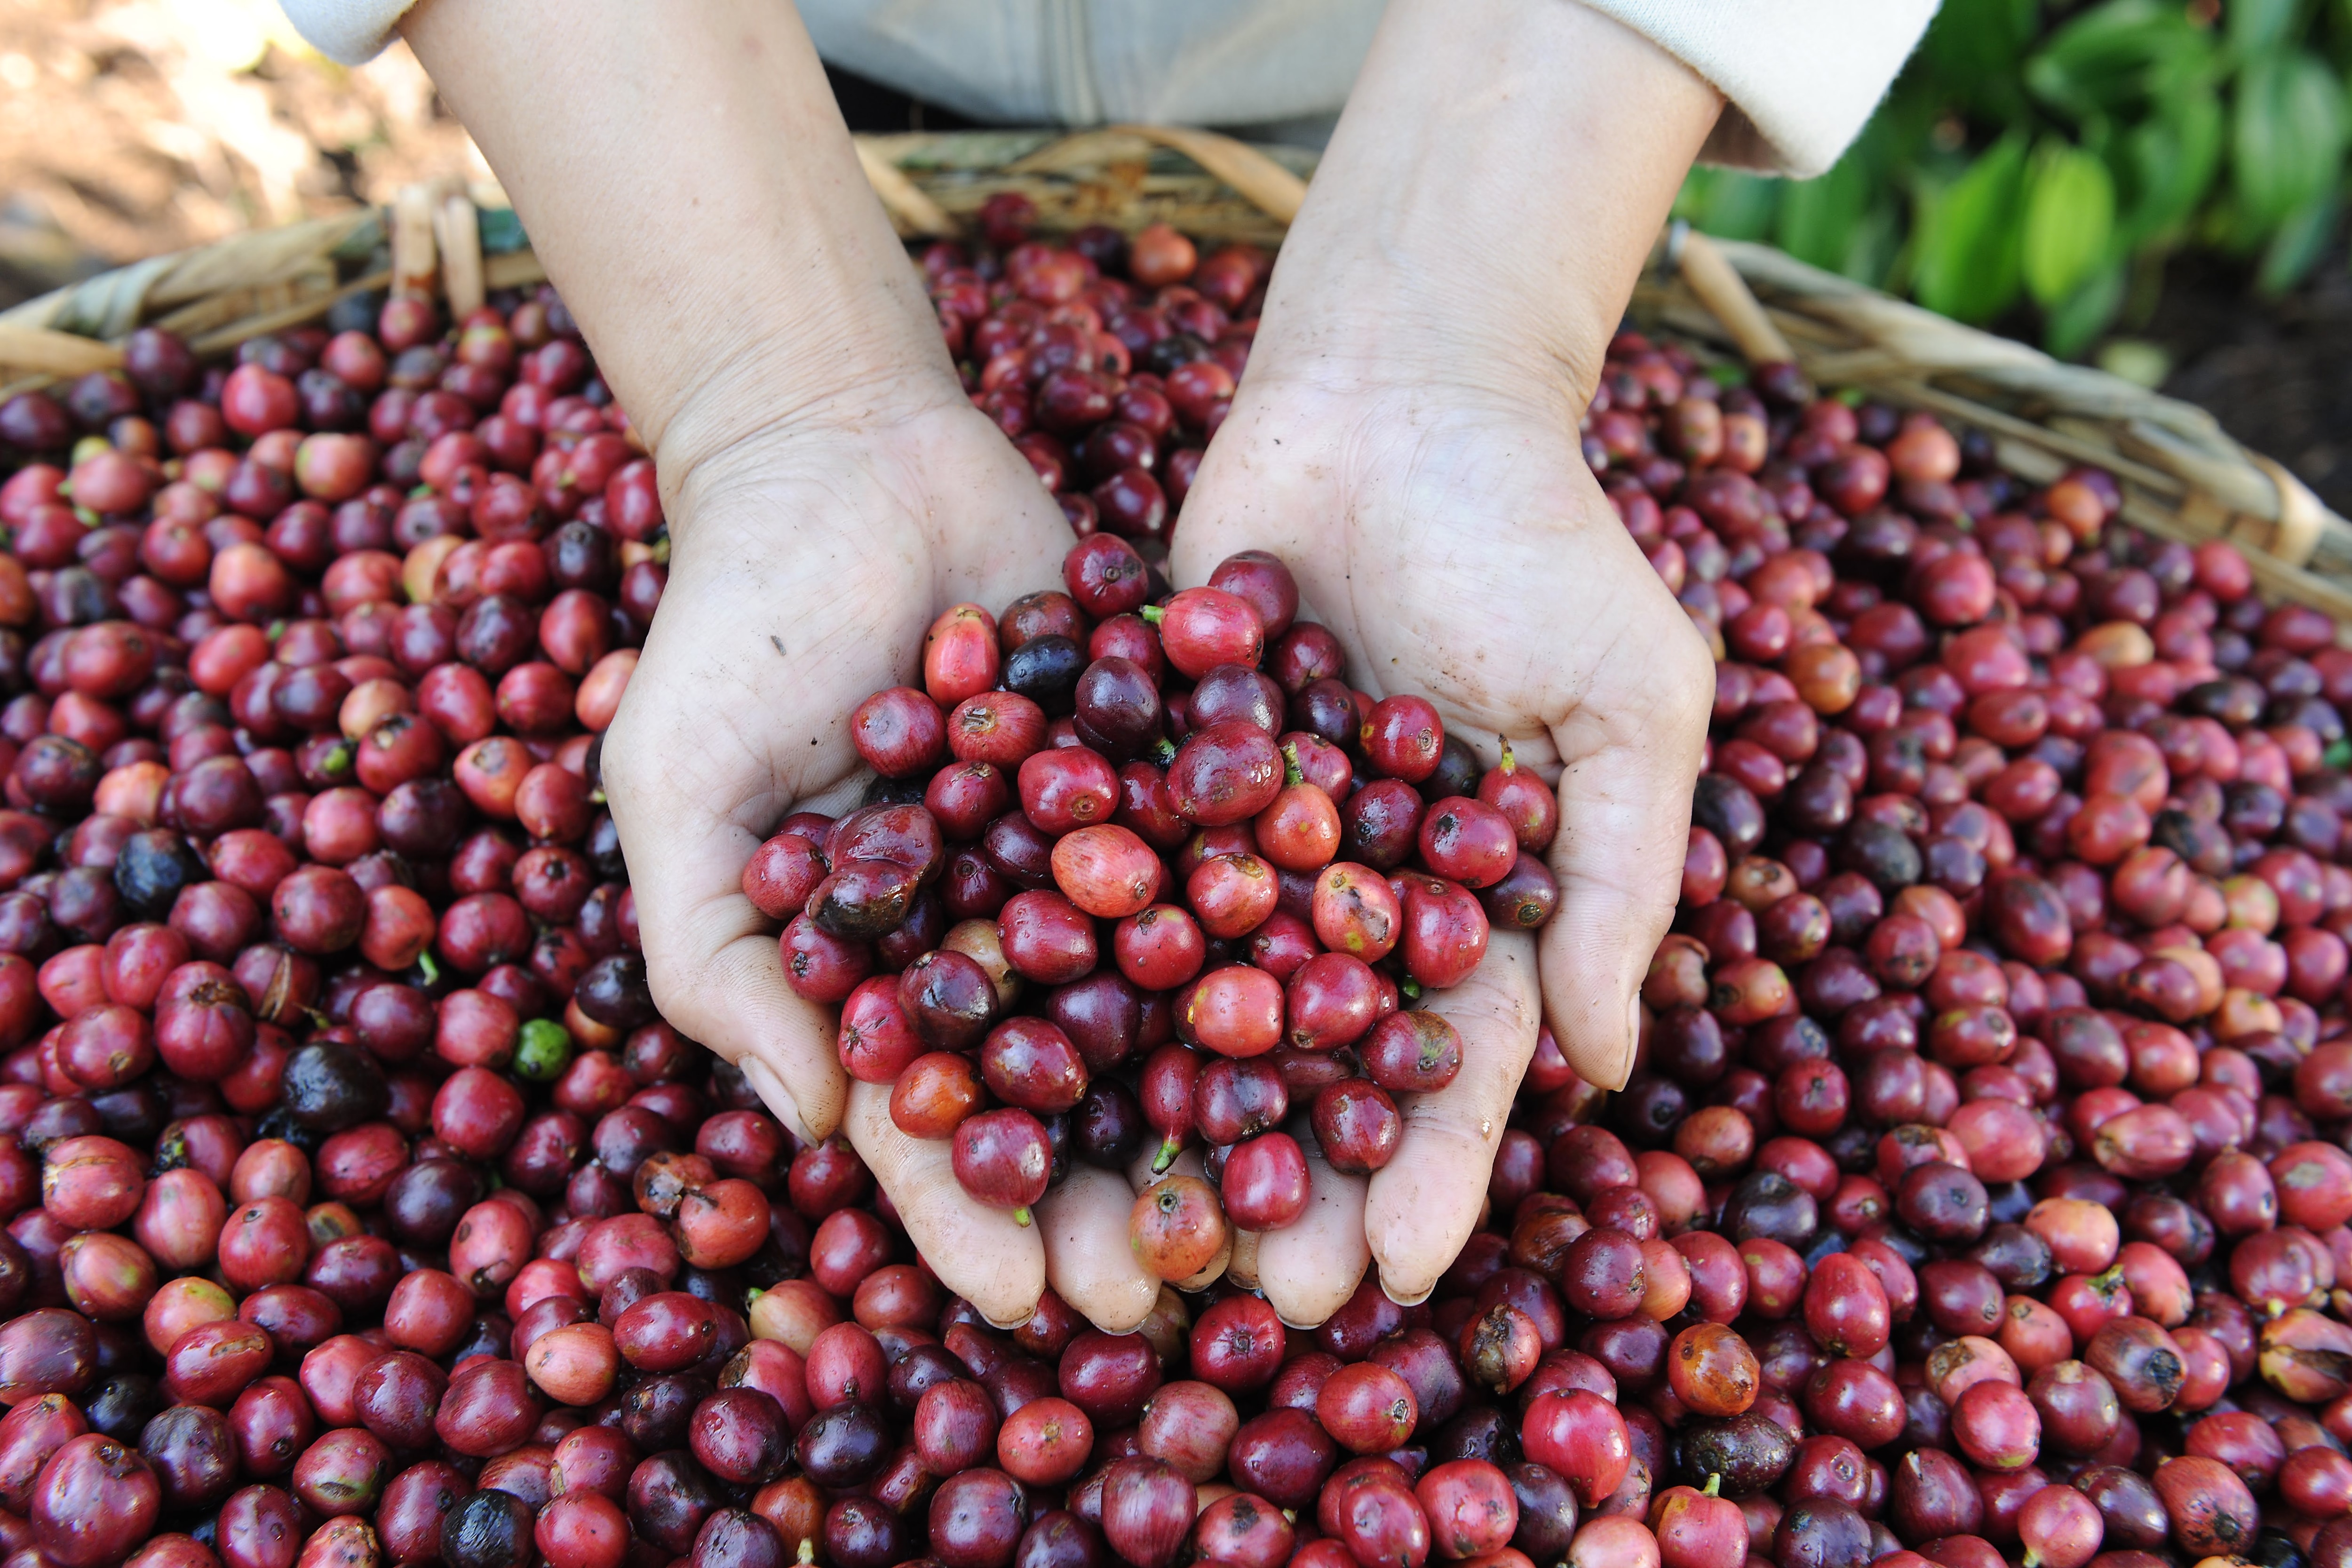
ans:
(1801, 75)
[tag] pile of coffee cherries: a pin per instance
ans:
(1980, 1195)
(1111, 802)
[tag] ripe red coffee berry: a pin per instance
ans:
(1403, 737)
(1201, 628)
(1413, 1052)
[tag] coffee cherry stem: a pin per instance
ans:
(1291, 774)
(1020, 1215)
(1170, 1147)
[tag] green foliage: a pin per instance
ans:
(1971, 256)
(2038, 156)
(2286, 137)
(2069, 220)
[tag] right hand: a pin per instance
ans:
(808, 562)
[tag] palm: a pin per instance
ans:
(805, 574)
(1464, 551)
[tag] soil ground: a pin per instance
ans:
(2277, 372)
(129, 128)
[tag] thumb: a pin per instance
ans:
(712, 960)
(1630, 751)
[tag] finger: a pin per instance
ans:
(1141, 1175)
(1309, 1269)
(1088, 1260)
(981, 1254)
(711, 960)
(1626, 770)
(1422, 1204)
(778, 1099)
(1243, 1267)
(1006, 534)
(734, 1000)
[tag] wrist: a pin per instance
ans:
(689, 185)
(1483, 211)
(782, 404)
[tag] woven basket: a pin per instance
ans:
(2181, 475)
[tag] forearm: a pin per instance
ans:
(687, 179)
(1501, 171)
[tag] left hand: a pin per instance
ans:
(1453, 537)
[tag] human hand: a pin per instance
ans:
(829, 488)
(1453, 540)
(806, 566)
(1406, 439)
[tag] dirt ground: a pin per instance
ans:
(2277, 372)
(133, 127)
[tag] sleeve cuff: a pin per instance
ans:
(1802, 75)
(349, 32)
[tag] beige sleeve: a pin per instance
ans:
(348, 31)
(1802, 75)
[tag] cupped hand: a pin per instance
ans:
(1455, 541)
(807, 563)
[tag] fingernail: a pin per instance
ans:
(1009, 1324)
(1412, 1301)
(770, 1089)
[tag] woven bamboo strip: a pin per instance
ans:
(458, 230)
(416, 251)
(54, 354)
(913, 213)
(1713, 279)
(299, 314)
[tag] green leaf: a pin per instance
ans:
(1728, 203)
(1738, 205)
(2114, 56)
(2166, 164)
(2260, 26)
(2286, 137)
(1818, 217)
(1877, 240)
(1969, 262)
(1979, 37)
(2070, 216)
(2070, 325)
(501, 231)
(1971, 55)
(1691, 200)
(2296, 245)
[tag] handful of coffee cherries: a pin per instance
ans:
(1139, 864)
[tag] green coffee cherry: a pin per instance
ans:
(542, 1052)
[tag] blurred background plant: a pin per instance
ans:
(2037, 165)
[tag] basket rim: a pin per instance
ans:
(2184, 476)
